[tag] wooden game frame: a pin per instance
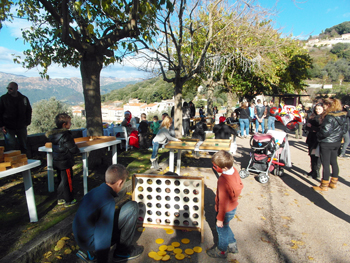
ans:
(170, 201)
(87, 141)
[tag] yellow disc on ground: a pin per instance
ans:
(152, 254)
(141, 229)
(179, 256)
(177, 250)
(185, 240)
(169, 231)
(197, 249)
(175, 244)
(170, 248)
(159, 241)
(166, 258)
(189, 251)
(163, 247)
(161, 253)
(157, 257)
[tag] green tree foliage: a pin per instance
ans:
(5, 14)
(44, 113)
(342, 50)
(87, 34)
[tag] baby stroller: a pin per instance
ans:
(270, 153)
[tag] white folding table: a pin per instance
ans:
(28, 185)
(85, 154)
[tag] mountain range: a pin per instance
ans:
(66, 90)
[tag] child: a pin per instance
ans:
(229, 188)
(63, 149)
(99, 223)
(143, 131)
(161, 138)
(155, 126)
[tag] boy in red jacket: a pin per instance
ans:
(228, 190)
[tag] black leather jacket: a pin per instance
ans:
(63, 148)
(15, 112)
(223, 131)
(199, 131)
(333, 127)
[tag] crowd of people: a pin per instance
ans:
(99, 224)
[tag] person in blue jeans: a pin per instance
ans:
(229, 188)
(244, 119)
(271, 119)
(260, 113)
(162, 137)
(98, 224)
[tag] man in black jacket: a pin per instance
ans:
(15, 116)
(223, 131)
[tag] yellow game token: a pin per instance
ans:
(177, 250)
(169, 231)
(157, 257)
(175, 244)
(170, 248)
(197, 249)
(152, 254)
(166, 258)
(189, 251)
(179, 256)
(141, 229)
(159, 241)
(161, 253)
(185, 240)
(163, 247)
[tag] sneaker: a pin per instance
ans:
(216, 253)
(87, 257)
(134, 252)
(61, 202)
(71, 203)
(343, 156)
(232, 248)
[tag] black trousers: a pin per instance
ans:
(65, 184)
(329, 154)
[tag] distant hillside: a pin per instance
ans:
(336, 31)
(67, 90)
(148, 91)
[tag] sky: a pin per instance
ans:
(301, 18)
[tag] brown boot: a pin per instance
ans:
(323, 186)
(333, 183)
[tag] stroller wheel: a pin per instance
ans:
(243, 174)
(263, 178)
(280, 172)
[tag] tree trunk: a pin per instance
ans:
(210, 101)
(229, 102)
(178, 109)
(90, 68)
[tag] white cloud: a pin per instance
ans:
(346, 15)
(16, 26)
(8, 66)
(332, 9)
